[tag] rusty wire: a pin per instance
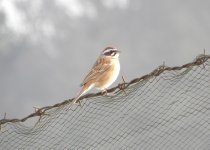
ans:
(200, 60)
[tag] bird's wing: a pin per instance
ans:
(98, 69)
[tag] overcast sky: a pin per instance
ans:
(47, 47)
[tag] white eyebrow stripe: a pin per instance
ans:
(107, 50)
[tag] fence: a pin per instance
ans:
(166, 109)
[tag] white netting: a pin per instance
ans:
(167, 109)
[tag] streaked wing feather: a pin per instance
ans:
(97, 70)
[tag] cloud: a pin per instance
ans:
(116, 3)
(76, 8)
(15, 18)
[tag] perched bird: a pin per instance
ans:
(103, 73)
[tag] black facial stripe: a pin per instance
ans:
(111, 53)
(114, 53)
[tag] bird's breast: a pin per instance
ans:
(109, 76)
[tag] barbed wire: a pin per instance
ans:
(200, 60)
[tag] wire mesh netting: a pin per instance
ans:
(166, 109)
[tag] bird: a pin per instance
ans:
(103, 73)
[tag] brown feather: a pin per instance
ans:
(98, 70)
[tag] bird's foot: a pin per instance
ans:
(104, 92)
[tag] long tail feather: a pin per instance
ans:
(85, 88)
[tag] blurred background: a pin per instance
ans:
(48, 46)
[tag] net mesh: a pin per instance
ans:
(166, 109)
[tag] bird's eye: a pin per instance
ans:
(108, 53)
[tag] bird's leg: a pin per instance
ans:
(104, 92)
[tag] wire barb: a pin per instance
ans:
(200, 60)
(122, 86)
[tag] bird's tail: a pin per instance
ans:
(85, 88)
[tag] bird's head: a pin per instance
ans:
(110, 52)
